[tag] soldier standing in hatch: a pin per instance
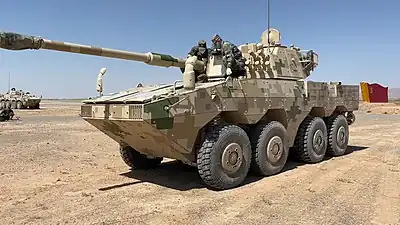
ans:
(201, 51)
(232, 56)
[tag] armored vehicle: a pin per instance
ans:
(224, 126)
(18, 99)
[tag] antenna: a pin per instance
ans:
(269, 19)
(9, 81)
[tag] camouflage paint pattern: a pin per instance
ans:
(167, 120)
(18, 99)
(151, 129)
(276, 62)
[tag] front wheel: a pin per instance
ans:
(223, 161)
(136, 160)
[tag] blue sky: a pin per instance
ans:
(356, 40)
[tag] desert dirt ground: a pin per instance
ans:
(57, 169)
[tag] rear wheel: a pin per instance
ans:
(311, 140)
(136, 160)
(338, 135)
(36, 106)
(270, 148)
(223, 160)
(350, 117)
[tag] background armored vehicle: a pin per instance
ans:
(18, 99)
(225, 126)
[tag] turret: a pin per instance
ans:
(270, 59)
(267, 59)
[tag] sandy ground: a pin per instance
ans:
(57, 169)
(381, 108)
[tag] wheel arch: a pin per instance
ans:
(278, 115)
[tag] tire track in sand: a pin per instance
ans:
(282, 188)
(309, 195)
(388, 201)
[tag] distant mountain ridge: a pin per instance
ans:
(394, 93)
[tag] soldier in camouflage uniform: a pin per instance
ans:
(6, 114)
(201, 51)
(232, 56)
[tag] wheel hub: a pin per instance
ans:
(341, 136)
(318, 141)
(274, 149)
(232, 157)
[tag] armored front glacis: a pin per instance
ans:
(225, 126)
(19, 99)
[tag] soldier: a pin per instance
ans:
(201, 51)
(6, 114)
(232, 56)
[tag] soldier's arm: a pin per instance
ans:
(236, 52)
(193, 51)
(216, 49)
(228, 58)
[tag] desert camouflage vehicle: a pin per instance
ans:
(225, 126)
(18, 99)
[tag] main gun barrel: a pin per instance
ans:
(14, 41)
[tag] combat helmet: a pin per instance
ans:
(202, 44)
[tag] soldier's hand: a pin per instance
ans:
(216, 52)
(228, 71)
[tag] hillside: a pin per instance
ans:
(394, 93)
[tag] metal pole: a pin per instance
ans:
(9, 81)
(269, 18)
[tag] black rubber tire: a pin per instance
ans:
(261, 135)
(303, 144)
(136, 160)
(333, 124)
(350, 117)
(209, 157)
(11, 114)
(37, 106)
(13, 104)
(19, 105)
